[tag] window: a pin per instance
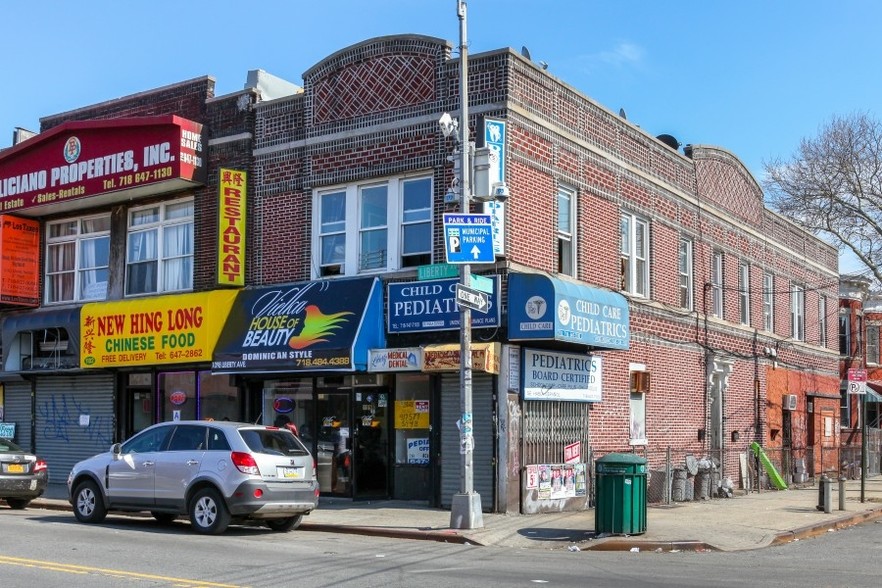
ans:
(844, 335)
(769, 302)
(822, 321)
(717, 284)
(797, 312)
(638, 418)
(744, 292)
(844, 408)
(159, 255)
(685, 270)
(77, 259)
(566, 200)
(374, 227)
(635, 254)
(873, 344)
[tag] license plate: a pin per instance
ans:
(15, 468)
(290, 473)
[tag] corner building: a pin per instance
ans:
(641, 296)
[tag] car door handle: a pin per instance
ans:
(192, 462)
(149, 464)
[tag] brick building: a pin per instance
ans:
(644, 299)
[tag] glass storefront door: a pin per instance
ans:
(334, 443)
(371, 443)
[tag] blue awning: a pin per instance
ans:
(56, 338)
(541, 307)
(873, 392)
(324, 325)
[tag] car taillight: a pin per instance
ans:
(244, 462)
(40, 466)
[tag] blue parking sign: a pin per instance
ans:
(468, 238)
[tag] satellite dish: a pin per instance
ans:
(526, 52)
(670, 141)
(622, 113)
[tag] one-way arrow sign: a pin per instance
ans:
(474, 299)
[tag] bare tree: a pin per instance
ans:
(833, 186)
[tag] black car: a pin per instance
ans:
(23, 475)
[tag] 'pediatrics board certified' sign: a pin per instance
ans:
(550, 375)
(431, 306)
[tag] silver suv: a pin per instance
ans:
(217, 472)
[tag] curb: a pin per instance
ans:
(649, 545)
(809, 531)
(394, 533)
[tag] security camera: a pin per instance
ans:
(500, 191)
(448, 124)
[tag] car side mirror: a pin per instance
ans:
(116, 450)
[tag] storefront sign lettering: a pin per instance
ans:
(551, 375)
(231, 228)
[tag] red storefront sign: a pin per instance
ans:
(82, 159)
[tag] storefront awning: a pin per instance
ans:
(541, 307)
(324, 325)
(53, 335)
(874, 391)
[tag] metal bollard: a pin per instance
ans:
(841, 492)
(824, 490)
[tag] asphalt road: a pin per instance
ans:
(50, 549)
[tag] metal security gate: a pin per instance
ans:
(74, 420)
(484, 464)
(17, 409)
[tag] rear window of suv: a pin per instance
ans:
(273, 442)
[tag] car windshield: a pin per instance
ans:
(7, 446)
(273, 441)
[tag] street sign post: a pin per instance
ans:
(473, 299)
(857, 381)
(468, 238)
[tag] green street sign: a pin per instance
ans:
(481, 283)
(437, 271)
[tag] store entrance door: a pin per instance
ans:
(371, 443)
(334, 443)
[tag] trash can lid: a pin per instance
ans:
(628, 458)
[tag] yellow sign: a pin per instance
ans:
(445, 358)
(166, 329)
(231, 227)
(411, 414)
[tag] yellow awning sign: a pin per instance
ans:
(179, 328)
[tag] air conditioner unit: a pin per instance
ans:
(360, 380)
(790, 402)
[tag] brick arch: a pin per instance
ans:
(375, 76)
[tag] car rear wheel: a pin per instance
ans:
(17, 503)
(88, 504)
(284, 525)
(208, 513)
(165, 518)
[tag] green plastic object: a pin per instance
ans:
(620, 491)
(774, 476)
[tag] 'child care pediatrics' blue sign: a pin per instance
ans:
(431, 306)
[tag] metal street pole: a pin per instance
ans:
(465, 511)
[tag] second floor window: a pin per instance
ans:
(873, 344)
(717, 284)
(797, 312)
(685, 271)
(159, 252)
(822, 321)
(77, 259)
(744, 291)
(565, 239)
(844, 335)
(769, 302)
(374, 227)
(635, 254)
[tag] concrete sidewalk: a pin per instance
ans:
(748, 521)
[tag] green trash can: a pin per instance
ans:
(620, 491)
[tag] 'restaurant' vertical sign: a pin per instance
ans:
(231, 228)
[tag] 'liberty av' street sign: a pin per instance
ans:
(468, 238)
(474, 299)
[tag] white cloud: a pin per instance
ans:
(622, 55)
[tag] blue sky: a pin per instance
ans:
(753, 77)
